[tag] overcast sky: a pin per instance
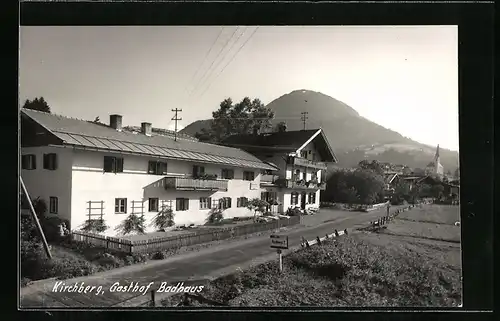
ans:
(403, 78)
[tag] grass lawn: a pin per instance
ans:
(362, 269)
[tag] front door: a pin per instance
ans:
(303, 200)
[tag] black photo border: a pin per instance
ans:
(475, 29)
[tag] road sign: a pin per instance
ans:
(279, 242)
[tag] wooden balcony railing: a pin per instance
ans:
(268, 179)
(300, 161)
(300, 184)
(194, 184)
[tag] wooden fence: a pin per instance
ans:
(169, 242)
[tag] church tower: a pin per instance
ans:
(438, 168)
(435, 166)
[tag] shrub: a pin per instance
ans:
(109, 261)
(293, 211)
(158, 255)
(257, 205)
(164, 219)
(51, 227)
(95, 225)
(216, 215)
(133, 223)
(40, 206)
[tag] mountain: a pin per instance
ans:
(352, 136)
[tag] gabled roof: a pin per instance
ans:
(389, 177)
(81, 133)
(288, 141)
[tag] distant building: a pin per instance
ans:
(435, 166)
(301, 157)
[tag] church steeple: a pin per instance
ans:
(436, 157)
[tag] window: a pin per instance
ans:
(182, 204)
(303, 154)
(198, 171)
(205, 203)
(113, 164)
(227, 174)
(53, 205)
(248, 176)
(153, 205)
(120, 205)
(294, 198)
(50, 161)
(242, 202)
(157, 168)
(28, 161)
(224, 203)
(312, 198)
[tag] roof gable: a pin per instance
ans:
(288, 141)
(78, 132)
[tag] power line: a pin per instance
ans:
(304, 118)
(224, 57)
(176, 110)
(205, 59)
(229, 62)
(218, 54)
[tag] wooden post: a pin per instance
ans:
(280, 260)
(153, 303)
(318, 240)
(336, 233)
(35, 218)
(345, 231)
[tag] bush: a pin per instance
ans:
(293, 211)
(158, 255)
(95, 226)
(215, 216)
(164, 219)
(133, 223)
(109, 261)
(51, 229)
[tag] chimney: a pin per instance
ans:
(146, 129)
(115, 121)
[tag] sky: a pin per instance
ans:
(388, 74)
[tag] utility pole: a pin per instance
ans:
(35, 218)
(304, 118)
(176, 119)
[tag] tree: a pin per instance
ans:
(281, 127)
(373, 165)
(402, 192)
(164, 218)
(37, 104)
(361, 186)
(437, 191)
(245, 117)
(257, 205)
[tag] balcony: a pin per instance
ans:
(195, 184)
(300, 161)
(300, 184)
(268, 179)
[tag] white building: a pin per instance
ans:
(84, 170)
(301, 157)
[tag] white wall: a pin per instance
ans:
(45, 183)
(91, 183)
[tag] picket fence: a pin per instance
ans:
(172, 242)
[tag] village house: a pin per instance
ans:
(301, 157)
(86, 170)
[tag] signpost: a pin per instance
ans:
(279, 242)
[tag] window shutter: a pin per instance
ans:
(108, 164)
(238, 202)
(151, 167)
(46, 161)
(33, 161)
(178, 204)
(228, 202)
(209, 202)
(195, 170)
(186, 204)
(54, 161)
(163, 169)
(119, 165)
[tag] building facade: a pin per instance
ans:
(301, 158)
(87, 171)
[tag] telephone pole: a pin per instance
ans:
(304, 118)
(176, 119)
